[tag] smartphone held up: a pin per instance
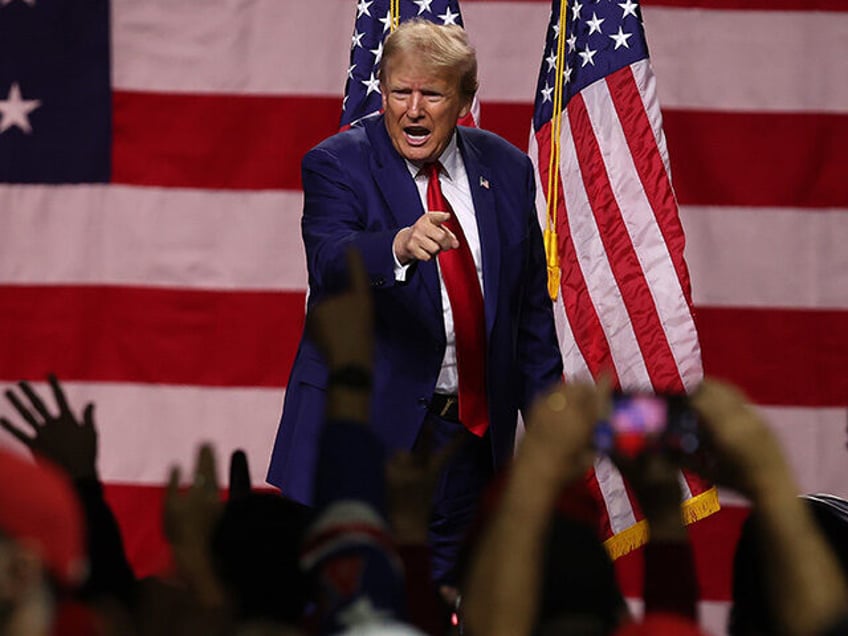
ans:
(644, 421)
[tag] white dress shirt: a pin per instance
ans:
(456, 190)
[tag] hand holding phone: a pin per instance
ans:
(643, 421)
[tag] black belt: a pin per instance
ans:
(445, 406)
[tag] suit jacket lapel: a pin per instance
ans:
(485, 210)
(404, 204)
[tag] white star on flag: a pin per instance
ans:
(14, 110)
(587, 56)
(350, 71)
(356, 39)
(621, 38)
(567, 73)
(595, 23)
(362, 8)
(378, 53)
(387, 21)
(572, 42)
(423, 5)
(575, 11)
(448, 18)
(629, 8)
(372, 83)
(546, 93)
(551, 60)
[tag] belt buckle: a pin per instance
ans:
(449, 402)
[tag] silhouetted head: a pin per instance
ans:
(256, 548)
(580, 594)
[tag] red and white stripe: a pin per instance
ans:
(621, 240)
(175, 297)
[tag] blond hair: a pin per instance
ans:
(441, 48)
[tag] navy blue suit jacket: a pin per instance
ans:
(358, 191)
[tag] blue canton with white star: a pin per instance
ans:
(372, 25)
(602, 36)
(55, 91)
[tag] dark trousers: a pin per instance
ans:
(457, 493)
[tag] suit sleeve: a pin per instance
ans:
(538, 353)
(334, 219)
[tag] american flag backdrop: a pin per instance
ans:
(150, 247)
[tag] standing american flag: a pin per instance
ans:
(614, 237)
(374, 20)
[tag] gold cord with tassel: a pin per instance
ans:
(552, 198)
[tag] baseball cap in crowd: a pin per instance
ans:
(39, 509)
(358, 574)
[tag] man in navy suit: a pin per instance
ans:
(370, 188)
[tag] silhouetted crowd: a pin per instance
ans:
(358, 561)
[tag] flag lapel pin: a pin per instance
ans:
(484, 182)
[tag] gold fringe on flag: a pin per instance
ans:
(693, 509)
(627, 540)
(700, 506)
(552, 197)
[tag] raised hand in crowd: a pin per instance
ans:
(193, 600)
(503, 587)
(741, 451)
(342, 326)
(670, 586)
(71, 442)
(351, 486)
(411, 477)
(805, 586)
(63, 438)
(189, 519)
(654, 478)
(240, 485)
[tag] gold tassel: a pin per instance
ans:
(552, 255)
(552, 195)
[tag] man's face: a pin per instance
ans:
(421, 108)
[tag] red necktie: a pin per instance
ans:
(466, 300)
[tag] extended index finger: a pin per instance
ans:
(439, 232)
(205, 469)
(437, 217)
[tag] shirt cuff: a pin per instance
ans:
(400, 270)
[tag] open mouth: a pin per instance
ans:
(416, 135)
